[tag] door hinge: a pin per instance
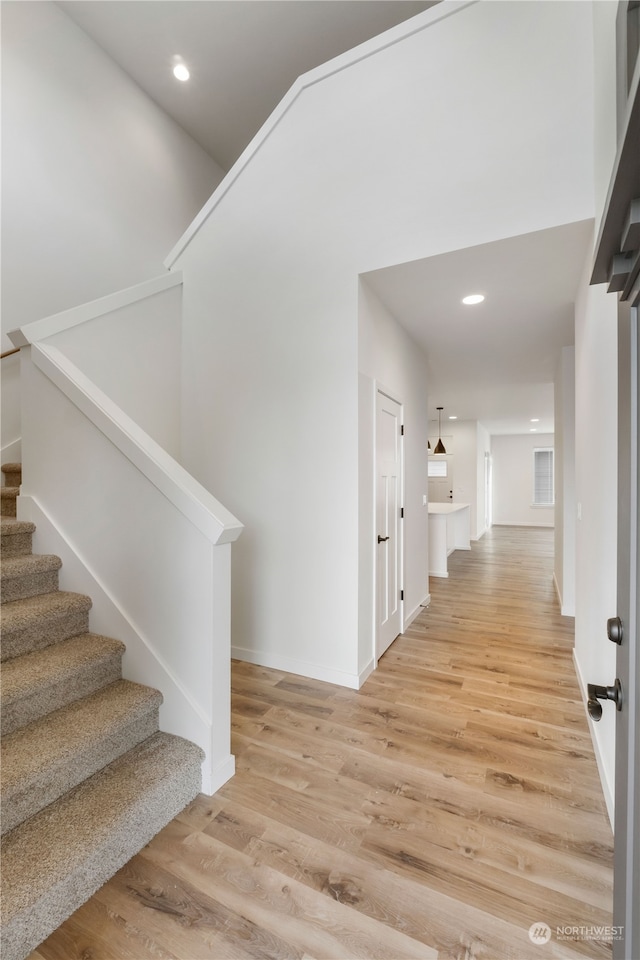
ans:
(402, 594)
(402, 513)
(402, 430)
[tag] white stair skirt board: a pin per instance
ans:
(178, 714)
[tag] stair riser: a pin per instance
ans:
(29, 585)
(12, 474)
(42, 634)
(19, 545)
(83, 683)
(45, 787)
(12, 479)
(8, 506)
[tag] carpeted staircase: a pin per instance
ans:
(87, 778)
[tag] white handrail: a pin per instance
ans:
(57, 322)
(177, 485)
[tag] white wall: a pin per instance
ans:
(10, 429)
(97, 182)
(368, 167)
(604, 69)
(596, 386)
(390, 359)
(121, 347)
(564, 462)
(596, 496)
(513, 480)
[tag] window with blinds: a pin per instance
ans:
(437, 468)
(543, 493)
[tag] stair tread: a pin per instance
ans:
(13, 567)
(44, 759)
(58, 858)
(33, 623)
(8, 490)
(10, 526)
(52, 741)
(28, 674)
(28, 610)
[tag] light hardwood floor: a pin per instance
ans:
(439, 812)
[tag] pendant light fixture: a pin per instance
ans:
(439, 445)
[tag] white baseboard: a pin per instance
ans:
(565, 612)
(557, 588)
(212, 780)
(519, 523)
(607, 788)
(417, 611)
(302, 668)
(368, 670)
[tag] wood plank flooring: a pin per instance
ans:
(438, 812)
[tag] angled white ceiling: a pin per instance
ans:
(494, 362)
(243, 54)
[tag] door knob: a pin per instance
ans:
(614, 629)
(382, 539)
(595, 693)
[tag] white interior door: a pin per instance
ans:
(389, 499)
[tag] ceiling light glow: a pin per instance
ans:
(473, 298)
(181, 72)
(535, 420)
(453, 418)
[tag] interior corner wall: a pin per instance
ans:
(340, 182)
(596, 404)
(390, 359)
(97, 181)
(596, 396)
(564, 462)
(512, 457)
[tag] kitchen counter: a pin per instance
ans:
(449, 526)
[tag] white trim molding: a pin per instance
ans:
(178, 486)
(57, 322)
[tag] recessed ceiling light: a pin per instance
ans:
(473, 298)
(181, 72)
(535, 420)
(453, 418)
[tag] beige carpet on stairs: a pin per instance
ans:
(87, 777)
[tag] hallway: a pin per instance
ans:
(439, 812)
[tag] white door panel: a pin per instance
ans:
(388, 526)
